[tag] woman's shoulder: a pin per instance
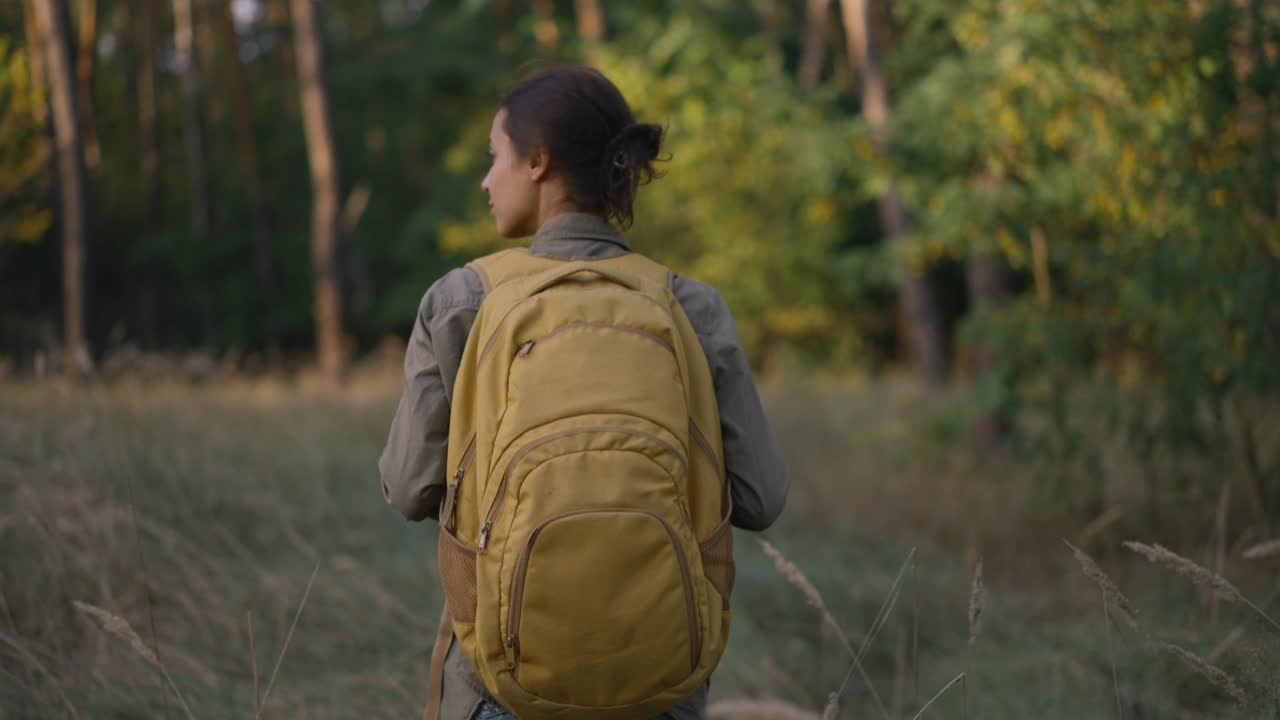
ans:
(702, 303)
(460, 287)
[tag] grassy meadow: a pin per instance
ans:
(239, 531)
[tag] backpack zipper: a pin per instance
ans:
(701, 439)
(527, 346)
(451, 493)
(488, 344)
(514, 611)
(498, 500)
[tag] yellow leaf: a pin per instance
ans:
(819, 211)
(1012, 249)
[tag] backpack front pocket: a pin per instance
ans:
(602, 609)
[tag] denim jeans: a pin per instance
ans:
(490, 711)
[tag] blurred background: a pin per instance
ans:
(1008, 272)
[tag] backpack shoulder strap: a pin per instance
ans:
(504, 266)
(640, 266)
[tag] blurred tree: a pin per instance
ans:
(24, 157)
(591, 20)
(85, 55)
(545, 28)
(1131, 162)
(148, 30)
(187, 67)
(55, 37)
(814, 49)
(255, 190)
(322, 153)
(35, 58)
(925, 326)
(987, 280)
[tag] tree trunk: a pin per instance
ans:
(989, 289)
(545, 30)
(591, 26)
(185, 58)
(927, 342)
(84, 72)
(55, 37)
(206, 47)
(814, 53)
(322, 155)
(35, 51)
(148, 111)
(1040, 266)
(254, 188)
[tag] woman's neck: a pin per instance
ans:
(554, 204)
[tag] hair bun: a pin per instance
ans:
(629, 157)
(644, 138)
(628, 163)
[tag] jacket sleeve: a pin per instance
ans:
(758, 476)
(412, 463)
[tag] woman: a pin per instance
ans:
(567, 160)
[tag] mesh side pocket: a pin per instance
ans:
(458, 576)
(717, 560)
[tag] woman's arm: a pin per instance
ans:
(758, 476)
(412, 463)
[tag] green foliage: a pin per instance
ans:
(23, 149)
(1124, 134)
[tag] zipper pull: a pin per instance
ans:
(525, 349)
(484, 535)
(514, 646)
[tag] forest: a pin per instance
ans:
(1008, 272)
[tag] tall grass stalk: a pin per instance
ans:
(1110, 592)
(977, 603)
(1111, 657)
(882, 615)
(119, 627)
(142, 568)
(1270, 548)
(1111, 598)
(1220, 545)
(253, 662)
(1212, 673)
(797, 579)
(1198, 574)
(915, 636)
(288, 637)
(957, 679)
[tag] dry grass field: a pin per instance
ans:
(224, 551)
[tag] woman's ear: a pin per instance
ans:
(539, 165)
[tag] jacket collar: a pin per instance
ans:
(578, 235)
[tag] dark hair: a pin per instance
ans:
(582, 121)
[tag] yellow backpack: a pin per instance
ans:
(585, 548)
